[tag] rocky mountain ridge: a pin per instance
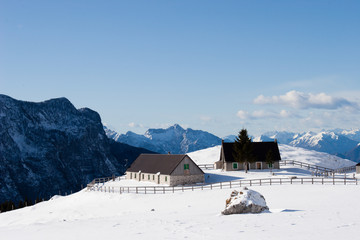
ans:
(51, 147)
(174, 139)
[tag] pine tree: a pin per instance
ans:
(243, 151)
(270, 159)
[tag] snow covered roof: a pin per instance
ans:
(154, 163)
(260, 149)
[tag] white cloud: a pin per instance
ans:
(205, 118)
(302, 100)
(135, 125)
(260, 114)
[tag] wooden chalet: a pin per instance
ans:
(169, 169)
(260, 150)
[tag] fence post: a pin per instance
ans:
(173, 189)
(250, 182)
(211, 186)
(164, 190)
(322, 181)
(270, 181)
(220, 185)
(302, 181)
(260, 182)
(230, 184)
(136, 190)
(145, 190)
(280, 181)
(290, 180)
(128, 190)
(182, 187)
(312, 180)
(154, 190)
(192, 188)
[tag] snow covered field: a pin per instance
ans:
(296, 212)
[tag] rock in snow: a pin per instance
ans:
(245, 201)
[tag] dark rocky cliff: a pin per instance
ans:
(51, 146)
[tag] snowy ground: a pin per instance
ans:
(296, 212)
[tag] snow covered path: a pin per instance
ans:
(297, 212)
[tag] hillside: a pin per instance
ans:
(322, 210)
(51, 147)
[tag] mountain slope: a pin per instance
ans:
(51, 146)
(174, 139)
(325, 142)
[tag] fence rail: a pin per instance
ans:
(345, 169)
(307, 166)
(229, 185)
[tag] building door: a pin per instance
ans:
(258, 165)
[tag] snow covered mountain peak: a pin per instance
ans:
(174, 139)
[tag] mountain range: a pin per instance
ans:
(174, 139)
(51, 147)
(339, 142)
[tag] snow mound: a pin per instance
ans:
(245, 201)
(206, 156)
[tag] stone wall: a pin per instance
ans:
(191, 179)
(166, 179)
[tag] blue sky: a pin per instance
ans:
(218, 66)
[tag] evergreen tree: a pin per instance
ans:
(243, 151)
(270, 159)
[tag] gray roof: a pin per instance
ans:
(154, 163)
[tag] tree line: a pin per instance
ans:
(10, 205)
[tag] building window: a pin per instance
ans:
(143, 176)
(130, 175)
(235, 165)
(153, 177)
(134, 175)
(165, 178)
(186, 167)
(270, 165)
(149, 177)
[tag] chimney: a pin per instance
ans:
(222, 141)
(275, 140)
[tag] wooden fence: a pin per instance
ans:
(345, 169)
(308, 166)
(221, 185)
